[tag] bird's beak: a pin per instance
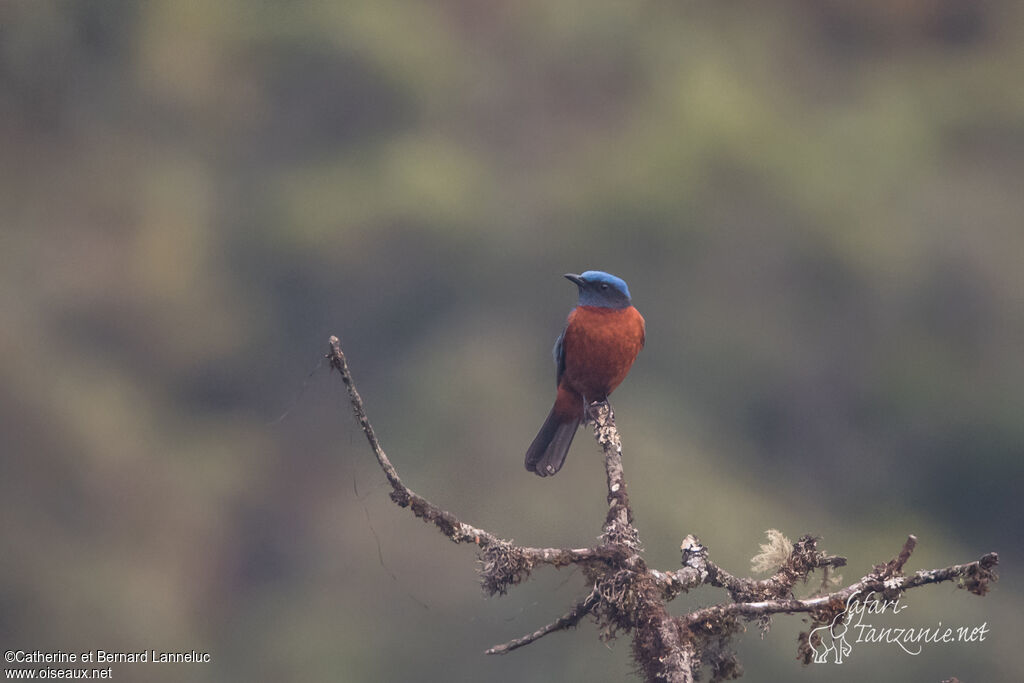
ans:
(573, 277)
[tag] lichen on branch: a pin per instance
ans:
(627, 596)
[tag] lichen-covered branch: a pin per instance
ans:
(619, 512)
(446, 522)
(803, 558)
(449, 525)
(628, 597)
(884, 579)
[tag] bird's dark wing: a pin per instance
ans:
(559, 353)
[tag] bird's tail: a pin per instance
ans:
(546, 454)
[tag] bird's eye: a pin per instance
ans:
(604, 286)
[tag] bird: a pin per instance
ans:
(602, 337)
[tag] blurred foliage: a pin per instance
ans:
(817, 206)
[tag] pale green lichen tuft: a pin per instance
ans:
(773, 554)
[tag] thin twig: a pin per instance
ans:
(895, 567)
(338, 362)
(567, 620)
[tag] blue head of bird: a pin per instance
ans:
(598, 288)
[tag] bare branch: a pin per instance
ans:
(568, 620)
(895, 566)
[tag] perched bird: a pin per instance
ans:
(601, 339)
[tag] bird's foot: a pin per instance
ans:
(593, 410)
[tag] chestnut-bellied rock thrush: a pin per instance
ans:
(601, 339)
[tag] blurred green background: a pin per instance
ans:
(819, 208)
